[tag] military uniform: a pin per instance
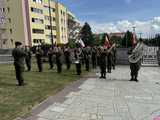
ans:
(87, 55)
(113, 58)
(59, 59)
(78, 60)
(103, 63)
(19, 57)
(50, 58)
(67, 58)
(39, 55)
(135, 60)
(94, 59)
(109, 62)
(28, 58)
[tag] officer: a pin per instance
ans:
(19, 57)
(50, 57)
(39, 55)
(28, 58)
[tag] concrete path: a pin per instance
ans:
(115, 98)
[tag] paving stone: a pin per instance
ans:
(115, 98)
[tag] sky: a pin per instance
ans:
(117, 15)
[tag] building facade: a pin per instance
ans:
(31, 22)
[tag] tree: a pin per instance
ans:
(127, 41)
(117, 40)
(86, 35)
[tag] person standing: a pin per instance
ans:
(135, 60)
(58, 53)
(78, 60)
(67, 54)
(109, 62)
(19, 57)
(103, 62)
(50, 57)
(39, 55)
(94, 57)
(28, 58)
(114, 52)
(87, 56)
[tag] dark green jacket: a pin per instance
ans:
(19, 56)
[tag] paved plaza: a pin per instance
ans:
(115, 98)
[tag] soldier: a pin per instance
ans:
(39, 55)
(87, 56)
(78, 58)
(94, 57)
(135, 60)
(19, 57)
(58, 53)
(114, 51)
(103, 62)
(50, 57)
(67, 54)
(28, 58)
(109, 62)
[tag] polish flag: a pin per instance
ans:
(106, 43)
(134, 41)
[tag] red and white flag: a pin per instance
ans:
(106, 43)
(134, 41)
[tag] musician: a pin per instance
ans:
(135, 60)
(103, 60)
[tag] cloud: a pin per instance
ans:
(147, 28)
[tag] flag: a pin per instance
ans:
(134, 41)
(106, 43)
(80, 41)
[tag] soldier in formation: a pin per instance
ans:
(39, 55)
(19, 57)
(28, 57)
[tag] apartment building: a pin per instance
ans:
(29, 21)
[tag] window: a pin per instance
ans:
(37, 1)
(3, 9)
(37, 20)
(38, 31)
(9, 20)
(49, 27)
(8, 9)
(10, 31)
(12, 41)
(36, 10)
(38, 40)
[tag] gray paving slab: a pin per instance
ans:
(114, 98)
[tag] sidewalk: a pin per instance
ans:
(115, 98)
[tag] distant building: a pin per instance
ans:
(118, 34)
(28, 21)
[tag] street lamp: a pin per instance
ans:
(50, 16)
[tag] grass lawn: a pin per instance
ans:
(17, 101)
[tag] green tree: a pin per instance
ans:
(127, 41)
(117, 40)
(86, 35)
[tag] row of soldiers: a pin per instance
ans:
(57, 55)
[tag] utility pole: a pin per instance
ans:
(50, 16)
(140, 35)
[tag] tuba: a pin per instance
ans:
(136, 54)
